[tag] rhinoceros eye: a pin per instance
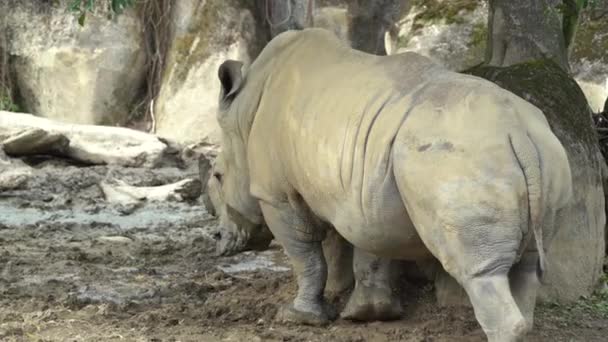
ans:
(218, 176)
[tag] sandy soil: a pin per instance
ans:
(74, 268)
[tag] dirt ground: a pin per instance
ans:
(74, 268)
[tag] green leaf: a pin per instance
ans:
(74, 6)
(115, 6)
(82, 18)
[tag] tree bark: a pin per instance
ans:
(522, 30)
(284, 15)
(369, 20)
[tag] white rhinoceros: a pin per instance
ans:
(405, 159)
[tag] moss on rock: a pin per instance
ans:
(576, 253)
(544, 84)
(591, 40)
(436, 10)
(479, 36)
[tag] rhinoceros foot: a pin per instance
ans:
(372, 304)
(313, 315)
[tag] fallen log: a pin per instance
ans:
(35, 141)
(119, 192)
(26, 134)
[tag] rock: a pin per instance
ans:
(589, 61)
(14, 174)
(115, 239)
(87, 75)
(576, 252)
(205, 34)
(595, 92)
(452, 34)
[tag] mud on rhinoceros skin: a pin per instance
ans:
(315, 133)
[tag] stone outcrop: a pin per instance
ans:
(87, 74)
(204, 34)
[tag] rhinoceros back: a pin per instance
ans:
(330, 113)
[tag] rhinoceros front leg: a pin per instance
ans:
(339, 257)
(373, 297)
(301, 238)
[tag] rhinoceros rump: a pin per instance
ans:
(404, 158)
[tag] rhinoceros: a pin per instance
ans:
(405, 159)
(375, 300)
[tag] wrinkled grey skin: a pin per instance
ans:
(373, 297)
(404, 159)
(236, 233)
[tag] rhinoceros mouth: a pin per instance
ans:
(241, 235)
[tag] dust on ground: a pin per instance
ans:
(74, 268)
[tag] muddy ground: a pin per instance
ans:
(75, 268)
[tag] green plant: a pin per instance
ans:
(479, 34)
(6, 103)
(448, 11)
(81, 7)
(595, 305)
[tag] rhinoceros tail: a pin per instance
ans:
(528, 157)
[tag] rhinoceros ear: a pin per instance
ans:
(231, 78)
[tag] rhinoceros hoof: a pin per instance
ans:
(322, 316)
(372, 304)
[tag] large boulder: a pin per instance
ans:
(87, 74)
(576, 253)
(452, 33)
(204, 34)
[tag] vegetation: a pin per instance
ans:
(83, 6)
(6, 102)
(435, 10)
(595, 305)
(479, 35)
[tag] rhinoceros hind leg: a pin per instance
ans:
(373, 297)
(310, 268)
(523, 279)
(495, 308)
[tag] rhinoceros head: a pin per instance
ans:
(242, 226)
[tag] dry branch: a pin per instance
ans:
(119, 192)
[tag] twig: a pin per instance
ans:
(153, 129)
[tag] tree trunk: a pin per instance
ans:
(522, 30)
(369, 20)
(284, 15)
(527, 55)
